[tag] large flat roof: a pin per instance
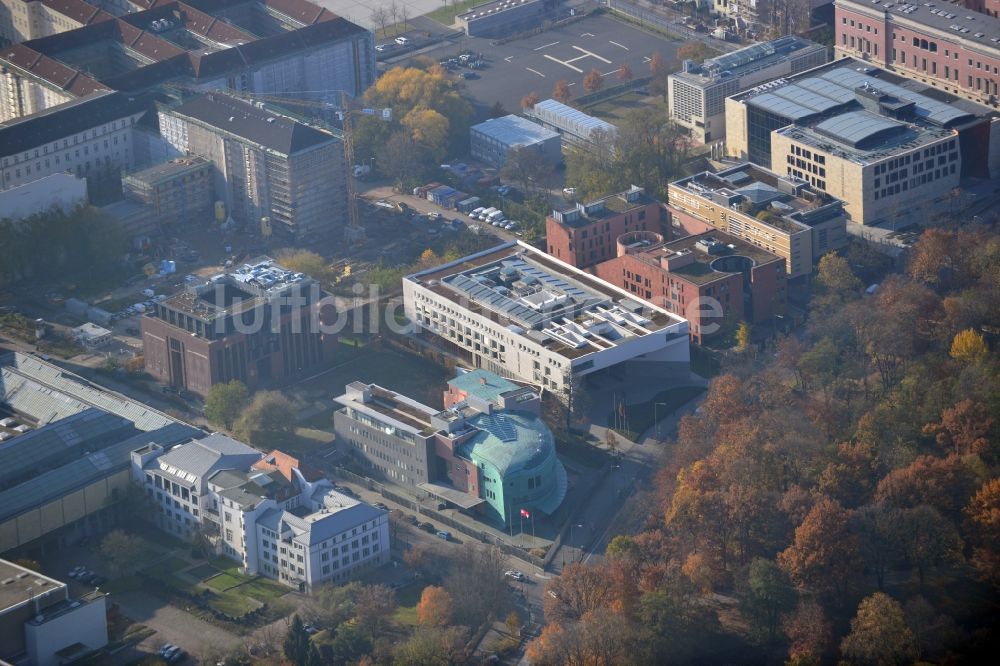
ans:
(19, 584)
(544, 300)
(514, 131)
(861, 112)
(792, 203)
(746, 60)
(977, 28)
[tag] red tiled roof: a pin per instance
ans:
(78, 10)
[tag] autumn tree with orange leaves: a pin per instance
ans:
(434, 607)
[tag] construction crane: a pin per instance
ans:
(354, 232)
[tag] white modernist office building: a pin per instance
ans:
(525, 315)
(279, 520)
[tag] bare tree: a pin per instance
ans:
(394, 13)
(380, 17)
(404, 13)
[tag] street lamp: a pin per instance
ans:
(657, 420)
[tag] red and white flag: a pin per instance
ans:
(525, 514)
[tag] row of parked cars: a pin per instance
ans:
(85, 576)
(495, 217)
(171, 653)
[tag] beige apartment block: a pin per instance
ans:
(780, 214)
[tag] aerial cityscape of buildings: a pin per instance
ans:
(537, 303)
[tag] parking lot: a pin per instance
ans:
(569, 52)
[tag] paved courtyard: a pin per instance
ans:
(360, 11)
(569, 52)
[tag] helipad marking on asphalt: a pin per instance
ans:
(563, 62)
(535, 71)
(619, 45)
(590, 53)
(546, 46)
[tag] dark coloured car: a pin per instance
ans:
(427, 527)
(412, 520)
(469, 75)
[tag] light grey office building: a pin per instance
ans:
(697, 93)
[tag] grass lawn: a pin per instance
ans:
(446, 13)
(203, 571)
(615, 109)
(408, 374)
(223, 581)
(233, 603)
(124, 584)
(407, 598)
(263, 589)
(577, 449)
(641, 416)
(173, 564)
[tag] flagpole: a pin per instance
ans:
(521, 533)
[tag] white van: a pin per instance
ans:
(403, 41)
(495, 217)
(474, 213)
(486, 213)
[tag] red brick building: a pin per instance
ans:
(711, 279)
(943, 45)
(991, 7)
(585, 235)
(244, 325)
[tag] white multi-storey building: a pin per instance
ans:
(263, 510)
(698, 93)
(525, 315)
(91, 138)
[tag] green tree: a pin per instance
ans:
(331, 605)
(304, 261)
(122, 551)
(314, 658)
(836, 281)
(768, 594)
(225, 402)
(268, 421)
(296, 645)
(350, 644)
(879, 634)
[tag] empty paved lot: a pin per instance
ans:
(569, 52)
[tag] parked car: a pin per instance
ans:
(382, 48)
(177, 657)
(427, 527)
(411, 519)
(569, 191)
(380, 505)
(402, 41)
(516, 575)
(167, 648)
(476, 212)
(75, 571)
(469, 75)
(444, 534)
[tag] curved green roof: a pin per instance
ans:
(510, 441)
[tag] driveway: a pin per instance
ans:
(173, 625)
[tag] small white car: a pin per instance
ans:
(402, 41)
(516, 575)
(569, 191)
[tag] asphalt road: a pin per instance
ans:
(534, 64)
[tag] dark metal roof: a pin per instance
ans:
(256, 125)
(60, 121)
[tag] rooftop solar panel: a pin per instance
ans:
(857, 127)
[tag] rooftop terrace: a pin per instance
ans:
(543, 300)
(789, 204)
